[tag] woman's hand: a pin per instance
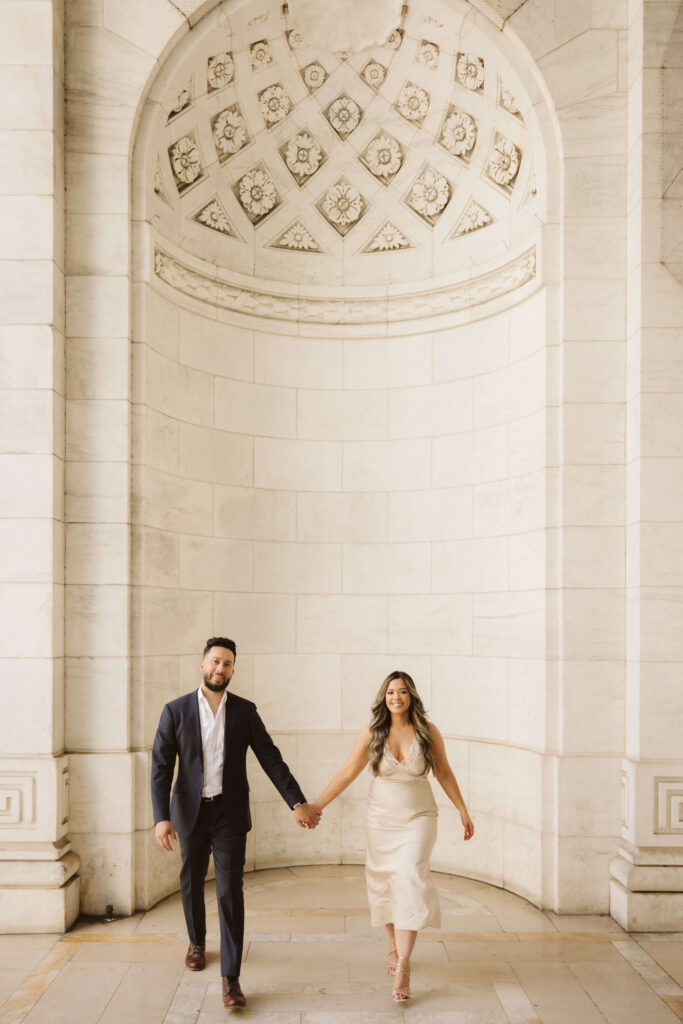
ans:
(467, 824)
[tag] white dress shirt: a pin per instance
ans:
(213, 736)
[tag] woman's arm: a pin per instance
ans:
(447, 780)
(351, 769)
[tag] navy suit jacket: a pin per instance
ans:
(180, 736)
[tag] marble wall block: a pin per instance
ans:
(297, 568)
(387, 568)
(297, 362)
(430, 411)
(257, 514)
(430, 624)
(353, 517)
(215, 455)
(470, 458)
(470, 696)
(216, 348)
(387, 362)
(434, 515)
(341, 415)
(386, 465)
(259, 623)
(473, 349)
(470, 566)
(256, 409)
(297, 465)
(299, 692)
(333, 624)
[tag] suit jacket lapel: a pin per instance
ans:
(229, 723)
(196, 725)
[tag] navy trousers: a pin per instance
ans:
(212, 833)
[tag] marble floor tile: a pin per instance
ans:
(10, 980)
(312, 957)
(512, 950)
(669, 956)
(294, 924)
(600, 923)
(145, 993)
(649, 970)
(88, 986)
(621, 995)
(130, 952)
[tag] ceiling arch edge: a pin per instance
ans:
(396, 305)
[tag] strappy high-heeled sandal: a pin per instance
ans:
(400, 994)
(391, 966)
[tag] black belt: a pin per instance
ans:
(210, 799)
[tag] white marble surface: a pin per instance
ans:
(451, 496)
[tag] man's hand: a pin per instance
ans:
(307, 815)
(164, 833)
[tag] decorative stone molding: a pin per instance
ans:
(668, 806)
(389, 238)
(17, 799)
(296, 238)
(212, 215)
(358, 309)
(473, 217)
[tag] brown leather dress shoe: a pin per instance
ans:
(233, 996)
(195, 958)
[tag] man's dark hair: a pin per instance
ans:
(220, 641)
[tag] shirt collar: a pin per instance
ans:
(203, 702)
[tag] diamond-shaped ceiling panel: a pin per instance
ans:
(344, 168)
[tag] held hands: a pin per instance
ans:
(468, 825)
(307, 815)
(164, 833)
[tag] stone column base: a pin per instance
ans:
(646, 889)
(39, 895)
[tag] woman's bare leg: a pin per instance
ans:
(405, 943)
(392, 947)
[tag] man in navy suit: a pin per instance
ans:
(209, 731)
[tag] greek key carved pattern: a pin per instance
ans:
(352, 310)
(17, 799)
(668, 806)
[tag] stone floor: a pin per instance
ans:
(312, 958)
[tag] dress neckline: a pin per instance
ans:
(408, 760)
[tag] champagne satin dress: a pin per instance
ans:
(401, 832)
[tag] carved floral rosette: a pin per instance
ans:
(458, 133)
(344, 115)
(303, 156)
(229, 132)
(503, 163)
(412, 103)
(428, 54)
(220, 71)
(342, 206)
(383, 157)
(256, 193)
(470, 71)
(186, 162)
(260, 54)
(429, 195)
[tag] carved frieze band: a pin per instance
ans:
(450, 298)
(668, 806)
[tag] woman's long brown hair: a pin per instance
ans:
(380, 723)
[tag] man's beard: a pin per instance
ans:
(214, 687)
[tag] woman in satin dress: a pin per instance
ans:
(400, 746)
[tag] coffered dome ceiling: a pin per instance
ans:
(408, 161)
